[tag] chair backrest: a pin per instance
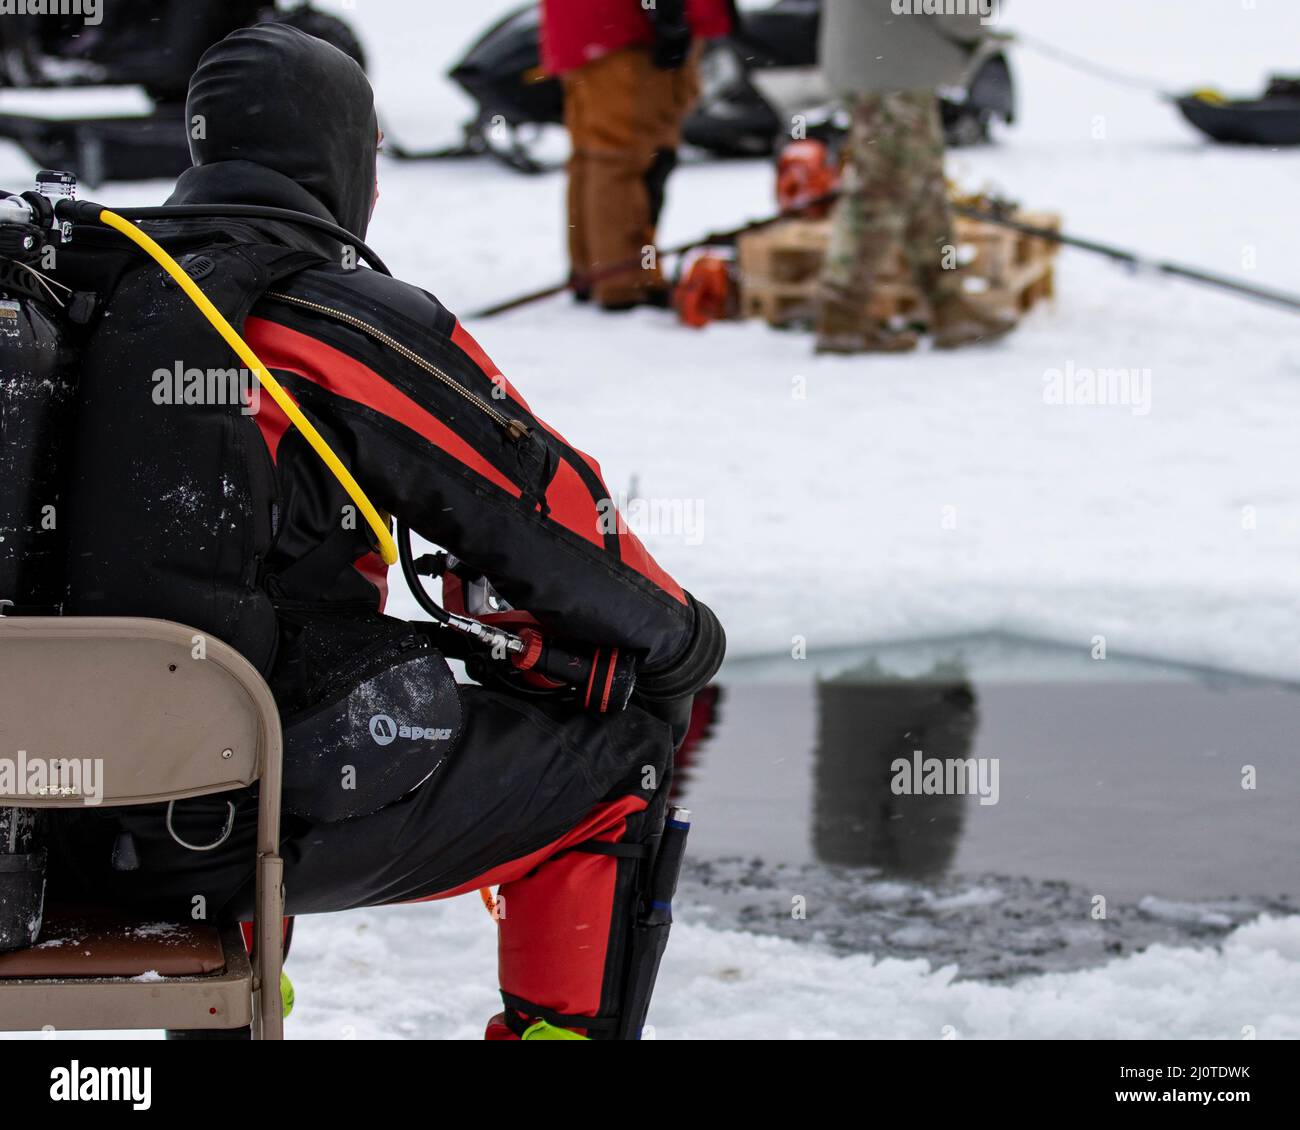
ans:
(127, 711)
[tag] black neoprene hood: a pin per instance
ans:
(277, 97)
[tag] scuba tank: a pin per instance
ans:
(22, 877)
(38, 383)
(38, 373)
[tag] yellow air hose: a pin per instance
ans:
(387, 546)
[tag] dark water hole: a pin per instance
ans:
(1118, 780)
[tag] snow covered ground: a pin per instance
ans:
(1173, 532)
(427, 972)
(854, 499)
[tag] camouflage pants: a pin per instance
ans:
(894, 197)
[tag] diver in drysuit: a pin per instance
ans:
(400, 784)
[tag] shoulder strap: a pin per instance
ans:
(312, 574)
(318, 569)
(235, 276)
(280, 262)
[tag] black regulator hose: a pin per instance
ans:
(604, 677)
(414, 582)
(85, 211)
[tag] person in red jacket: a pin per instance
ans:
(630, 78)
(399, 783)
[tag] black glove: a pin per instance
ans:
(676, 712)
(672, 42)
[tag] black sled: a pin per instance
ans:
(1273, 119)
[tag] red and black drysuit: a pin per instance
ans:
(228, 521)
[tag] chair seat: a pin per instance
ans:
(90, 942)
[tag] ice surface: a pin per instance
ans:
(427, 971)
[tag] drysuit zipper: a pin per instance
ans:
(514, 429)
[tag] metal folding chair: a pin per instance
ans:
(164, 725)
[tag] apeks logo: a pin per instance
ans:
(385, 731)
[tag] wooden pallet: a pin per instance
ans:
(1003, 270)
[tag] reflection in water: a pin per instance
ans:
(705, 714)
(867, 719)
(1122, 778)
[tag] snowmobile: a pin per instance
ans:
(1272, 119)
(139, 43)
(753, 82)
